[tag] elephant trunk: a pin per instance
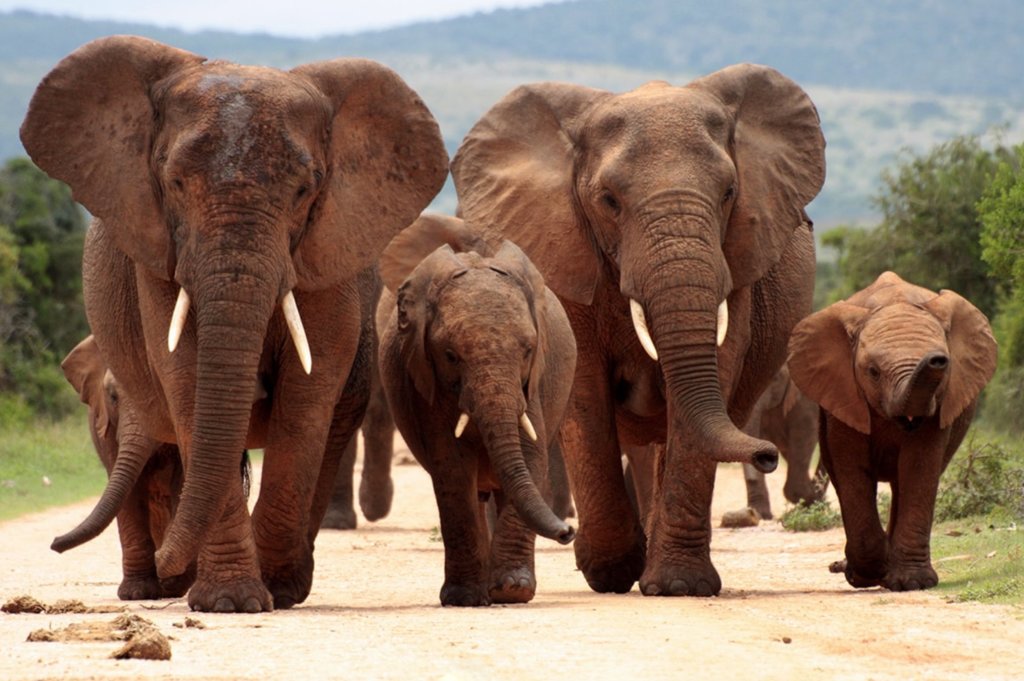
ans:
(233, 308)
(134, 452)
(686, 318)
(919, 397)
(498, 419)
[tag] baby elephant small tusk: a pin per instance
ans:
(723, 322)
(640, 326)
(460, 427)
(291, 316)
(178, 318)
(524, 421)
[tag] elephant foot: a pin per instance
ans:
(693, 577)
(464, 595)
(339, 519)
(860, 576)
(610, 572)
(910, 578)
(375, 504)
(241, 595)
(140, 588)
(517, 585)
(290, 585)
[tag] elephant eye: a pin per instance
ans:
(451, 356)
(302, 191)
(874, 372)
(610, 201)
(729, 193)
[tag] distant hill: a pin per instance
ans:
(884, 74)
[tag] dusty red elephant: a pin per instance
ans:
(897, 370)
(236, 208)
(670, 222)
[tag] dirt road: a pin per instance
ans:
(374, 613)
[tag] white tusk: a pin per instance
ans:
(640, 326)
(524, 421)
(178, 318)
(460, 427)
(723, 322)
(291, 315)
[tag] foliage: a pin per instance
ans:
(1001, 211)
(985, 477)
(930, 230)
(45, 463)
(41, 313)
(817, 516)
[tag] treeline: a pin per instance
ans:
(41, 313)
(951, 218)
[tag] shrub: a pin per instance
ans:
(818, 516)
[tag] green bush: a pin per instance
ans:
(982, 479)
(813, 518)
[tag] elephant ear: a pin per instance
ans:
(821, 363)
(91, 123)
(415, 309)
(386, 162)
(972, 350)
(84, 368)
(514, 177)
(423, 237)
(779, 151)
(511, 258)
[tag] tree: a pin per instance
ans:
(930, 230)
(41, 312)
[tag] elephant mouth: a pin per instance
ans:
(909, 423)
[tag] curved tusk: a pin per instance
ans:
(524, 421)
(640, 326)
(460, 427)
(178, 318)
(291, 315)
(723, 322)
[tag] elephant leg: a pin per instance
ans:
(464, 533)
(558, 479)
(679, 545)
(914, 490)
(228, 570)
(163, 479)
(513, 575)
(609, 542)
(757, 491)
(140, 581)
(640, 462)
(376, 489)
(845, 454)
(341, 513)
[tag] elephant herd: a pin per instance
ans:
(628, 273)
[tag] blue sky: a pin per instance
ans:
(304, 18)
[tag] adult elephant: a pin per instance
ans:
(228, 199)
(677, 212)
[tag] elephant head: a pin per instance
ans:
(473, 333)
(897, 350)
(677, 195)
(236, 185)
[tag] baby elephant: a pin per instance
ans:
(477, 360)
(145, 479)
(897, 371)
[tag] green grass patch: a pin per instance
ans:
(33, 452)
(813, 518)
(979, 560)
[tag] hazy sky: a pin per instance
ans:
(305, 18)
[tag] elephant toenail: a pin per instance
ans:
(224, 605)
(652, 590)
(678, 587)
(704, 589)
(252, 604)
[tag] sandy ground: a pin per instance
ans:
(374, 613)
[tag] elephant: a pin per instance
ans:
(785, 416)
(144, 485)
(226, 198)
(671, 223)
(897, 370)
(477, 359)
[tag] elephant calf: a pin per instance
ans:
(897, 371)
(477, 359)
